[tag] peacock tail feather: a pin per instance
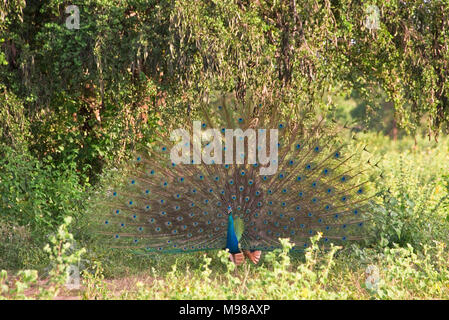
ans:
(321, 185)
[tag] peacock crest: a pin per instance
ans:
(320, 185)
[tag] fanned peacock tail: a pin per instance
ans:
(320, 186)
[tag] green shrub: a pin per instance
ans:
(18, 250)
(37, 194)
(412, 207)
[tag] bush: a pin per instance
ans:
(18, 250)
(37, 194)
(412, 208)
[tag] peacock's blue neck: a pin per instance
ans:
(232, 243)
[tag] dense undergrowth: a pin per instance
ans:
(404, 255)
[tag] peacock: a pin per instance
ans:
(240, 176)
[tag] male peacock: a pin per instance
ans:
(204, 193)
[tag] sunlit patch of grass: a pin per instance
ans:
(403, 274)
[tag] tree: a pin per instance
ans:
(91, 93)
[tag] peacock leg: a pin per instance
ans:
(254, 256)
(237, 258)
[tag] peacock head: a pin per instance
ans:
(229, 209)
